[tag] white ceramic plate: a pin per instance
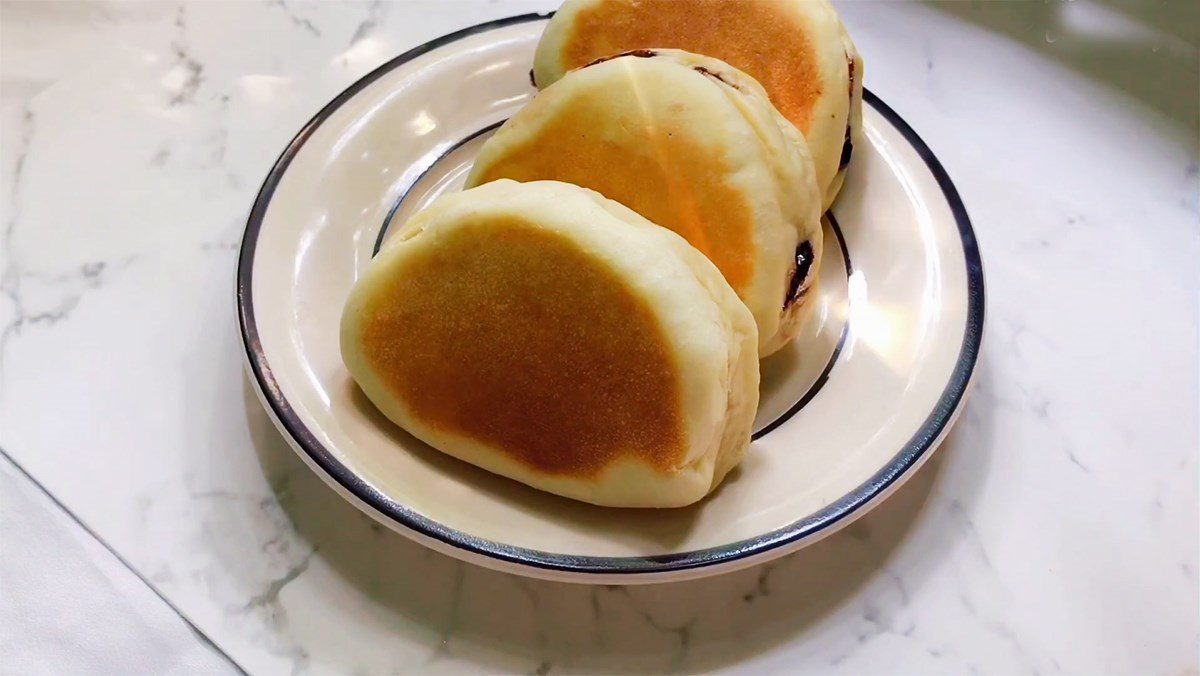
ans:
(848, 412)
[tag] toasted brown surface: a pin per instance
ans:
(751, 35)
(653, 166)
(512, 336)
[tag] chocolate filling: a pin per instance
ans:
(804, 261)
(532, 80)
(640, 53)
(847, 145)
(715, 76)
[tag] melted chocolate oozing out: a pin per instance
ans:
(804, 261)
(847, 145)
(847, 150)
(648, 53)
(715, 76)
(639, 53)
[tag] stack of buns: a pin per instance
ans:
(587, 316)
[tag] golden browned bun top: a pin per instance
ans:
(771, 46)
(513, 336)
(653, 163)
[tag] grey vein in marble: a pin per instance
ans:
(193, 70)
(270, 595)
(376, 12)
(67, 290)
(297, 20)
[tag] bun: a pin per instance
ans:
(552, 336)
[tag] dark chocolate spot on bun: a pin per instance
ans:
(847, 145)
(847, 150)
(532, 79)
(639, 53)
(804, 262)
(715, 76)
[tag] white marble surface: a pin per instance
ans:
(1056, 531)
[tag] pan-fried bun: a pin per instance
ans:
(552, 336)
(693, 145)
(798, 49)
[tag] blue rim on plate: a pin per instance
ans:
(823, 520)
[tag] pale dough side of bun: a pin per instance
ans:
(798, 49)
(504, 324)
(795, 173)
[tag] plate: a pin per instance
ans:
(849, 410)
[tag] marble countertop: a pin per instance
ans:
(153, 520)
